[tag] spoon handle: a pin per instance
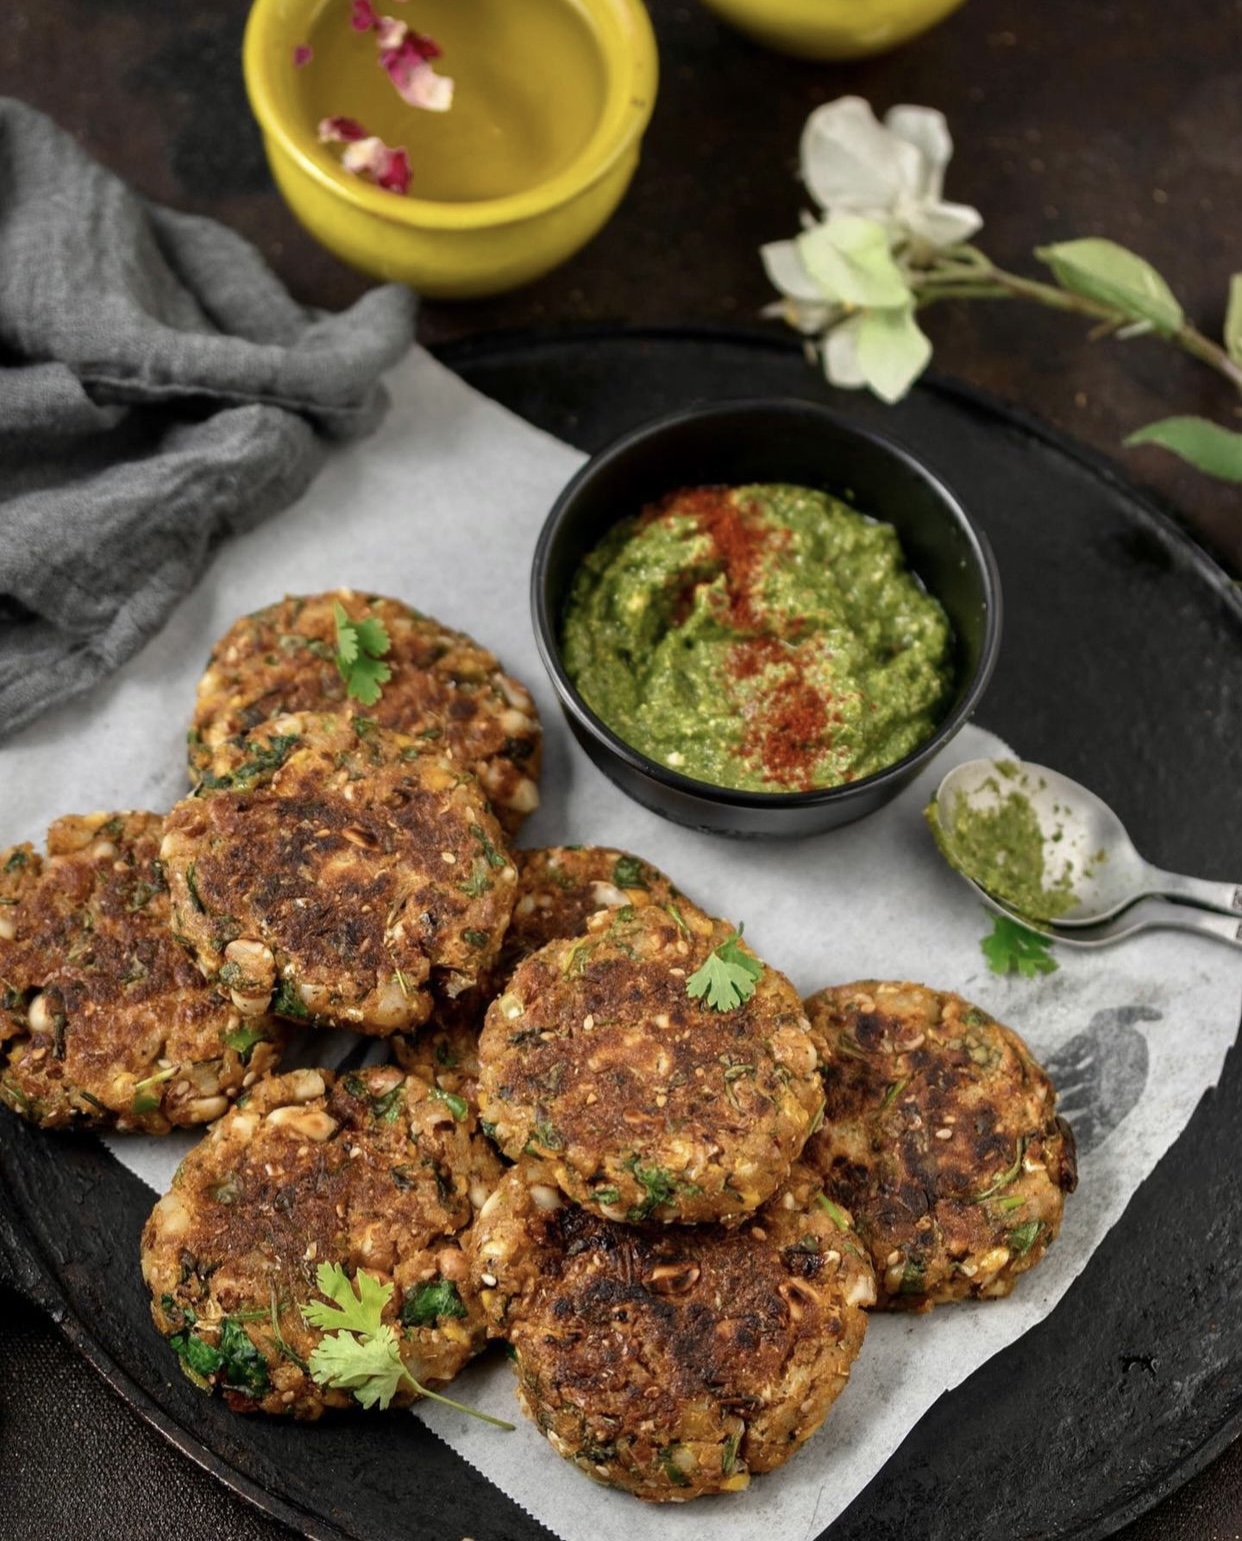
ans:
(1225, 897)
(1155, 914)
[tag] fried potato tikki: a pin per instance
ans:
(673, 1361)
(339, 874)
(940, 1136)
(371, 1173)
(649, 1094)
(443, 689)
(104, 1020)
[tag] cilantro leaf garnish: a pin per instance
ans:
(360, 647)
(429, 1303)
(727, 976)
(360, 1353)
(237, 1362)
(1012, 949)
(629, 872)
(357, 1305)
(659, 1185)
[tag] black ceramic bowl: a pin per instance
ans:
(769, 441)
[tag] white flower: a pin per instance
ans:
(847, 277)
(892, 173)
(833, 268)
(885, 350)
(839, 279)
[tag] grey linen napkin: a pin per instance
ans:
(159, 390)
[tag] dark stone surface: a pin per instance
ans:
(1070, 120)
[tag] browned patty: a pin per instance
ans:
(940, 1135)
(559, 888)
(371, 1171)
(104, 1021)
(673, 1360)
(646, 1102)
(340, 875)
(445, 689)
(445, 1050)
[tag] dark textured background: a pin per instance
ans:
(1071, 118)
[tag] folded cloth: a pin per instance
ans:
(159, 390)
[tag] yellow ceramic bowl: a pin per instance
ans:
(552, 97)
(832, 29)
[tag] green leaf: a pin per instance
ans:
(369, 1366)
(727, 976)
(243, 1367)
(457, 1106)
(849, 257)
(243, 1040)
(893, 351)
(659, 1185)
(197, 1355)
(263, 759)
(629, 872)
(1011, 948)
(1233, 320)
(358, 1304)
(1023, 1237)
(363, 1356)
(365, 678)
(360, 645)
(372, 637)
(430, 1303)
(287, 1001)
(1103, 271)
(346, 637)
(1205, 445)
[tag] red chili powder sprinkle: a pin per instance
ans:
(741, 537)
(786, 730)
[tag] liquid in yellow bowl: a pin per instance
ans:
(551, 99)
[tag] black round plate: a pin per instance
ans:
(1122, 666)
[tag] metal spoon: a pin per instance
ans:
(1145, 915)
(1091, 869)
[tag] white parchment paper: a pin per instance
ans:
(442, 508)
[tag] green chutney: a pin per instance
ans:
(765, 638)
(1001, 845)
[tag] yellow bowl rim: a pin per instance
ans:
(628, 103)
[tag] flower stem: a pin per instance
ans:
(966, 273)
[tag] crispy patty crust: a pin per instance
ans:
(673, 1360)
(940, 1135)
(445, 1050)
(559, 888)
(444, 688)
(339, 874)
(104, 1021)
(371, 1171)
(647, 1102)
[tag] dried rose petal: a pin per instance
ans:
(362, 16)
(367, 156)
(377, 162)
(393, 33)
(404, 55)
(302, 54)
(340, 131)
